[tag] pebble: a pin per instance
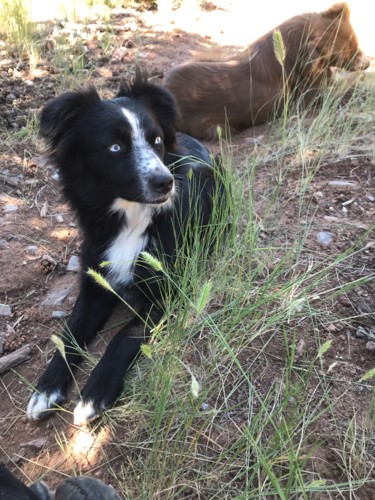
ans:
(73, 264)
(9, 207)
(59, 218)
(56, 176)
(35, 443)
(205, 406)
(318, 195)
(370, 345)
(58, 314)
(56, 297)
(324, 237)
(369, 197)
(5, 310)
(19, 457)
(32, 249)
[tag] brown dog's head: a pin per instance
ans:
(335, 41)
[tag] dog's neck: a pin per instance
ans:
(135, 214)
(130, 240)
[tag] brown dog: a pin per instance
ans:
(251, 88)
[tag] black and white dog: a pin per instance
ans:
(135, 186)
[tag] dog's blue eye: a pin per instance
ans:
(115, 148)
(158, 141)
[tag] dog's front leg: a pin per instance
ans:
(106, 381)
(92, 309)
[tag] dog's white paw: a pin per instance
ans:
(40, 405)
(84, 413)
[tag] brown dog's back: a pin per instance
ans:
(249, 89)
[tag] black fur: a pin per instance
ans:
(79, 128)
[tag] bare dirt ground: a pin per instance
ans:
(39, 237)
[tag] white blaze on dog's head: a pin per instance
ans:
(148, 161)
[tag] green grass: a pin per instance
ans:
(16, 25)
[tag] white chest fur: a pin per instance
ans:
(129, 242)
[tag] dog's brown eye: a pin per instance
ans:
(158, 141)
(115, 148)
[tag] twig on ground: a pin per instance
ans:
(14, 358)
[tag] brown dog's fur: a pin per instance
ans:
(248, 89)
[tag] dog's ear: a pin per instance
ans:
(60, 114)
(340, 10)
(157, 99)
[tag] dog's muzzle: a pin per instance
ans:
(161, 183)
(159, 187)
(360, 63)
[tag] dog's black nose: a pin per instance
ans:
(162, 183)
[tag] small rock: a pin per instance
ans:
(331, 328)
(32, 249)
(19, 457)
(369, 197)
(5, 310)
(10, 207)
(58, 314)
(35, 443)
(324, 237)
(205, 406)
(318, 195)
(370, 345)
(4, 243)
(56, 297)
(56, 176)
(73, 264)
(59, 218)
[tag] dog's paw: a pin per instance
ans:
(85, 412)
(41, 404)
